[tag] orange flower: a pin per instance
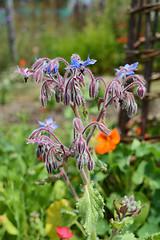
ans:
(22, 63)
(107, 143)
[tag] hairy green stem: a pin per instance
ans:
(69, 184)
(80, 228)
(114, 233)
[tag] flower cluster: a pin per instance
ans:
(127, 207)
(67, 89)
(54, 153)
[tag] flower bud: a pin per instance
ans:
(66, 97)
(132, 109)
(80, 144)
(44, 157)
(54, 161)
(78, 124)
(90, 164)
(48, 167)
(141, 91)
(80, 162)
(38, 76)
(39, 150)
(103, 128)
(93, 89)
(57, 97)
(78, 100)
(43, 100)
(39, 63)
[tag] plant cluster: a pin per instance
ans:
(67, 89)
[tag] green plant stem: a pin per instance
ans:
(69, 184)
(93, 235)
(80, 228)
(114, 233)
(87, 172)
(84, 177)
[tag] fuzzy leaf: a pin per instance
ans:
(91, 208)
(155, 236)
(126, 236)
(120, 225)
(68, 217)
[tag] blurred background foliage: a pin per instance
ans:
(51, 28)
(61, 28)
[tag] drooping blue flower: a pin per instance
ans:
(80, 64)
(48, 124)
(126, 70)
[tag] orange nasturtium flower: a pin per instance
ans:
(22, 63)
(107, 143)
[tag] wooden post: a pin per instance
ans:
(123, 117)
(11, 33)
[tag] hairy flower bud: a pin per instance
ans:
(132, 109)
(54, 161)
(66, 97)
(103, 128)
(39, 63)
(93, 89)
(57, 95)
(39, 150)
(48, 167)
(44, 157)
(89, 161)
(141, 91)
(78, 100)
(43, 100)
(80, 162)
(80, 144)
(90, 164)
(78, 125)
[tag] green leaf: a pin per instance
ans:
(102, 227)
(8, 225)
(59, 190)
(110, 200)
(126, 236)
(68, 217)
(138, 176)
(153, 173)
(136, 143)
(148, 229)
(120, 225)
(140, 219)
(142, 150)
(91, 207)
(155, 236)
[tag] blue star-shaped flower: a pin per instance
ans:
(79, 64)
(126, 70)
(48, 124)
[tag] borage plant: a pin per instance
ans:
(67, 90)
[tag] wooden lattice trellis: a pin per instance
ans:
(143, 41)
